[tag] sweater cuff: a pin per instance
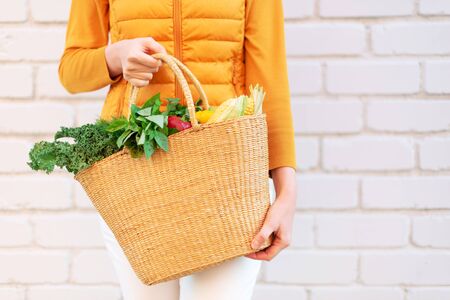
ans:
(282, 150)
(105, 78)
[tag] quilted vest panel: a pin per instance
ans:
(206, 35)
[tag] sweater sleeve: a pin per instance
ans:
(82, 67)
(265, 63)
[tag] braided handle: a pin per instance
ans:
(176, 66)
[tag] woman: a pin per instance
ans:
(228, 45)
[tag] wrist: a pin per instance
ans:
(284, 179)
(113, 58)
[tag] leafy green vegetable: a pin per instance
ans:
(176, 109)
(142, 133)
(146, 128)
(91, 143)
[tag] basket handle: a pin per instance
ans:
(176, 66)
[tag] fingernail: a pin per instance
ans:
(255, 245)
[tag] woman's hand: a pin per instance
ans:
(279, 218)
(131, 58)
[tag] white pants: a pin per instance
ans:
(230, 280)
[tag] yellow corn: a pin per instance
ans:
(221, 112)
(250, 107)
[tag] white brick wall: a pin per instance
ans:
(373, 77)
(370, 84)
(367, 8)
(406, 267)
(411, 38)
(16, 11)
(357, 293)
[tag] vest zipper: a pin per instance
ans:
(177, 41)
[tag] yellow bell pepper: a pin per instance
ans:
(203, 116)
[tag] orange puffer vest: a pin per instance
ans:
(207, 38)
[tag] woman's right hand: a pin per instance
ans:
(131, 58)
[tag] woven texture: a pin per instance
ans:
(188, 209)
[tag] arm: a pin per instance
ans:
(83, 66)
(89, 63)
(266, 64)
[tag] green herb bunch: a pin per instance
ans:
(145, 131)
(146, 128)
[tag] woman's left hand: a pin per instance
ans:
(279, 219)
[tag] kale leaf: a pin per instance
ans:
(91, 143)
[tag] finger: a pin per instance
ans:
(135, 69)
(262, 236)
(146, 60)
(141, 75)
(139, 82)
(269, 252)
(128, 75)
(153, 46)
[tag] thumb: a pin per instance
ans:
(262, 235)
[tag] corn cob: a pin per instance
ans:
(257, 93)
(242, 105)
(221, 112)
(250, 107)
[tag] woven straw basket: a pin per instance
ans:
(190, 208)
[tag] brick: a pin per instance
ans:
(47, 44)
(67, 230)
(13, 11)
(367, 8)
(59, 10)
(41, 192)
(325, 116)
(354, 231)
(411, 38)
(402, 116)
(325, 39)
(12, 293)
(303, 232)
(14, 155)
(431, 231)
(47, 266)
(15, 231)
(327, 191)
(17, 81)
(437, 77)
(304, 77)
(374, 153)
(48, 85)
(405, 268)
(434, 153)
(273, 291)
(413, 192)
(82, 271)
(434, 7)
(41, 117)
(88, 112)
(294, 9)
(291, 267)
(373, 77)
(71, 292)
(428, 293)
(307, 152)
(356, 293)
